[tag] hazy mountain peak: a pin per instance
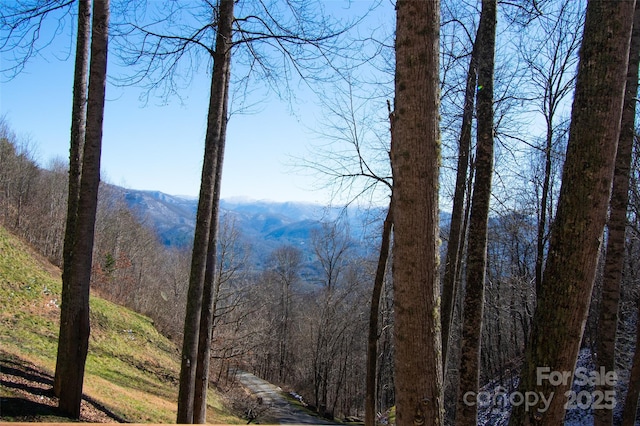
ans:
(264, 223)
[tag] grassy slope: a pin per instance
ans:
(131, 369)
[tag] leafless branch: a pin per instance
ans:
(25, 30)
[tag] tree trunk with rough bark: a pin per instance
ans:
(74, 325)
(207, 317)
(78, 129)
(561, 312)
(415, 159)
(617, 225)
(452, 260)
(466, 414)
(374, 313)
(204, 216)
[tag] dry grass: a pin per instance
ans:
(131, 369)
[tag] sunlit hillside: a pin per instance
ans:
(132, 370)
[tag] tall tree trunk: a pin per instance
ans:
(452, 262)
(415, 154)
(222, 56)
(78, 129)
(74, 331)
(374, 313)
(559, 319)
(617, 224)
(215, 126)
(466, 414)
(631, 401)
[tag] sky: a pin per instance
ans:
(150, 146)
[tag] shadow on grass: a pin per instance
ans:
(15, 369)
(20, 409)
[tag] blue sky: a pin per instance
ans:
(154, 147)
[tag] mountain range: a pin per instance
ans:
(264, 225)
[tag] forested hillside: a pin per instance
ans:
(132, 370)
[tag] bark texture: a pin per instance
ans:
(222, 55)
(213, 139)
(415, 154)
(617, 224)
(453, 257)
(576, 233)
(78, 129)
(74, 324)
(374, 313)
(466, 414)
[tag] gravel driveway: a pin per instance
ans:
(274, 404)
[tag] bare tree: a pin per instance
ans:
(374, 313)
(74, 315)
(617, 223)
(207, 207)
(629, 417)
(78, 129)
(22, 30)
(561, 311)
(222, 55)
(287, 262)
(261, 28)
(466, 414)
(553, 76)
(18, 178)
(456, 240)
(357, 164)
(415, 163)
(332, 247)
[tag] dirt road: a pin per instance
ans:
(273, 404)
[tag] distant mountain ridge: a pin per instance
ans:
(265, 225)
(173, 218)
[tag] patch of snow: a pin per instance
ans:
(494, 407)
